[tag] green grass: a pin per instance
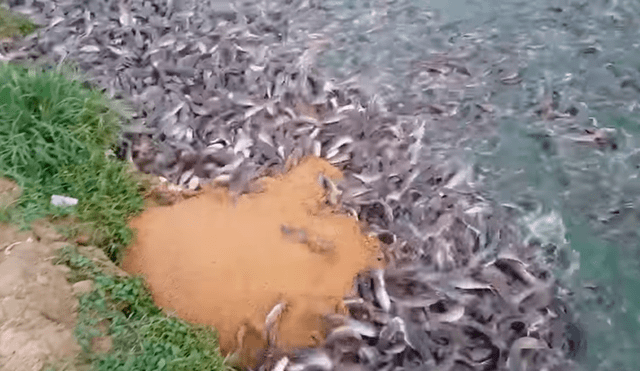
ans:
(143, 337)
(54, 139)
(14, 25)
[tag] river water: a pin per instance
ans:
(568, 67)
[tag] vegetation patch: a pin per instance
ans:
(55, 139)
(14, 25)
(119, 314)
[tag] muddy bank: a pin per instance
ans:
(227, 261)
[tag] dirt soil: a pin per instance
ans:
(37, 303)
(227, 262)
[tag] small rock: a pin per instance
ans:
(82, 287)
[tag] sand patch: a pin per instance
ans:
(227, 263)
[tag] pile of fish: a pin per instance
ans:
(226, 93)
(455, 301)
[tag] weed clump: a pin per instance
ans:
(55, 138)
(14, 25)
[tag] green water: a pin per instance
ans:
(584, 56)
(581, 189)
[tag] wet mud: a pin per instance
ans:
(283, 255)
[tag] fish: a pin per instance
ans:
(331, 189)
(452, 313)
(517, 268)
(342, 333)
(514, 360)
(311, 359)
(365, 329)
(237, 88)
(334, 149)
(271, 320)
(380, 290)
(282, 364)
(393, 337)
